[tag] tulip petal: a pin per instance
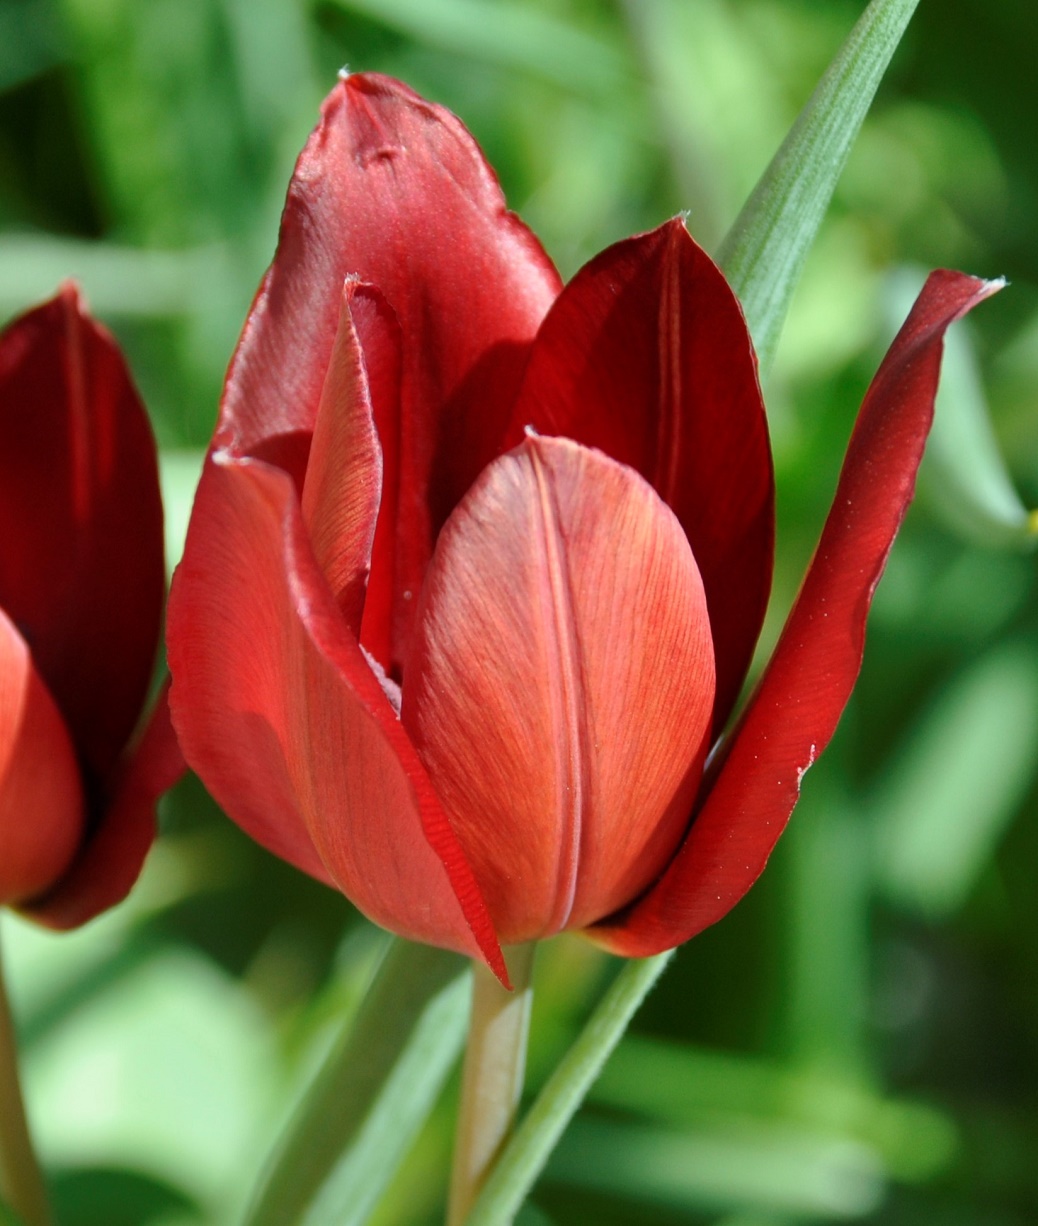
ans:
(353, 504)
(108, 864)
(395, 191)
(41, 801)
(281, 715)
(81, 565)
(646, 356)
(343, 484)
(561, 682)
(754, 782)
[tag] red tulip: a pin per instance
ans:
(81, 593)
(478, 562)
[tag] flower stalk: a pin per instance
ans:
(21, 1181)
(492, 1077)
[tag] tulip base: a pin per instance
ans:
(492, 1077)
(21, 1182)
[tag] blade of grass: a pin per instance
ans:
(764, 252)
(510, 35)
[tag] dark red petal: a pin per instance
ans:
(81, 566)
(561, 684)
(645, 355)
(281, 715)
(752, 787)
(107, 865)
(394, 190)
(41, 801)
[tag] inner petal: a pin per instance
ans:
(561, 682)
(343, 484)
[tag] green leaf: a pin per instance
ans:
(764, 252)
(957, 781)
(523, 1158)
(509, 34)
(963, 475)
(781, 1168)
(8, 1217)
(30, 44)
(179, 472)
(372, 1094)
(698, 1089)
(117, 280)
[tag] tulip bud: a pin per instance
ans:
(81, 593)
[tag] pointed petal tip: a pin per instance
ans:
(70, 293)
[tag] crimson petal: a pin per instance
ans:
(793, 713)
(395, 191)
(283, 718)
(645, 355)
(81, 569)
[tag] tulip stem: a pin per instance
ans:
(21, 1181)
(492, 1078)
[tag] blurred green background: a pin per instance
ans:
(858, 1040)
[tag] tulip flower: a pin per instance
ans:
(81, 594)
(478, 561)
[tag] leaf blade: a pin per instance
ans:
(764, 252)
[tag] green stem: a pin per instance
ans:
(492, 1080)
(21, 1181)
(524, 1156)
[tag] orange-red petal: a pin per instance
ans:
(561, 683)
(281, 715)
(41, 801)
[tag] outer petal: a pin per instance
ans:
(81, 568)
(645, 354)
(41, 801)
(109, 862)
(561, 684)
(395, 191)
(755, 782)
(280, 714)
